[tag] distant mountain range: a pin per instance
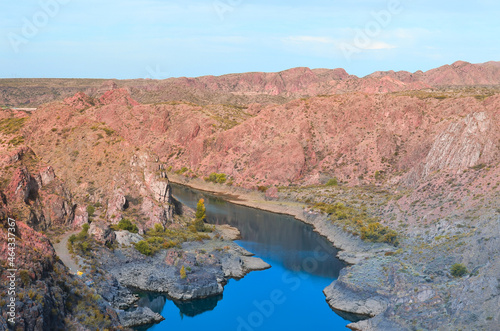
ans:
(258, 87)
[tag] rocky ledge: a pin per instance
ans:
(139, 316)
(198, 270)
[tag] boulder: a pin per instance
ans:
(139, 316)
(127, 238)
(228, 232)
(102, 232)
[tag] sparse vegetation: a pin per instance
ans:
(181, 170)
(198, 224)
(376, 232)
(16, 141)
(216, 178)
(458, 270)
(80, 243)
(262, 188)
(12, 125)
(332, 182)
(183, 273)
(126, 224)
(90, 210)
(162, 238)
(359, 223)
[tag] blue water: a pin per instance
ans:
(288, 296)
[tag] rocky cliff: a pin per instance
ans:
(413, 155)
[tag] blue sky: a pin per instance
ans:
(160, 39)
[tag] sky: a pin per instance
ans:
(159, 39)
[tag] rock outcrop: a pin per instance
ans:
(139, 316)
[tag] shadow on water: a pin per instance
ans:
(191, 308)
(268, 235)
(303, 264)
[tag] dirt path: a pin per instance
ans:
(63, 252)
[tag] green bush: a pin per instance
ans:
(200, 210)
(183, 273)
(458, 270)
(90, 210)
(84, 246)
(144, 248)
(72, 239)
(82, 235)
(216, 178)
(338, 209)
(182, 170)
(199, 225)
(126, 224)
(159, 228)
(376, 232)
(332, 182)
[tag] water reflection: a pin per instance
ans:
(156, 303)
(303, 264)
(268, 235)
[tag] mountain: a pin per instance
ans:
(459, 73)
(260, 87)
(392, 159)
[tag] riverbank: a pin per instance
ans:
(352, 249)
(404, 288)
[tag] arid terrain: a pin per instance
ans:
(404, 166)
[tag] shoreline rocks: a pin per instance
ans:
(139, 316)
(208, 265)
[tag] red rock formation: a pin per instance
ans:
(348, 136)
(118, 97)
(81, 101)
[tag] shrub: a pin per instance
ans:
(182, 170)
(183, 273)
(458, 270)
(72, 239)
(332, 182)
(378, 175)
(90, 210)
(144, 247)
(109, 132)
(376, 232)
(82, 235)
(216, 178)
(199, 225)
(25, 277)
(84, 246)
(126, 224)
(159, 228)
(338, 209)
(221, 178)
(262, 188)
(200, 210)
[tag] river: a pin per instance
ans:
(288, 296)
